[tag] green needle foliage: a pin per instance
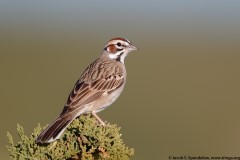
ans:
(84, 139)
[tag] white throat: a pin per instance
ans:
(118, 56)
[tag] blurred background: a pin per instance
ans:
(182, 95)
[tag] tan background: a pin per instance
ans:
(182, 95)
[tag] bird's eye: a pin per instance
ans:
(118, 44)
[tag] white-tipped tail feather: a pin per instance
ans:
(54, 130)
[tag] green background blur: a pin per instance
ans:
(182, 95)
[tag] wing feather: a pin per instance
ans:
(86, 93)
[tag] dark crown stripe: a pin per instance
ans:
(122, 39)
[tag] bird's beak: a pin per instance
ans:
(132, 48)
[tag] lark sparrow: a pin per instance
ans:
(98, 87)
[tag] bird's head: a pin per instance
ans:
(118, 48)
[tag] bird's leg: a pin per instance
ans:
(98, 118)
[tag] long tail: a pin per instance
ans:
(54, 130)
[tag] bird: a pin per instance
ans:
(98, 87)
